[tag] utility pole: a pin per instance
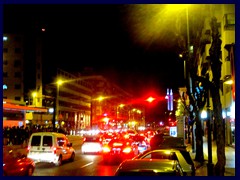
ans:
(54, 113)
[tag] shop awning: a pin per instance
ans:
(23, 108)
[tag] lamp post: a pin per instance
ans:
(94, 102)
(56, 105)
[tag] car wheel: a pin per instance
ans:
(30, 171)
(59, 162)
(72, 157)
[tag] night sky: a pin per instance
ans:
(100, 37)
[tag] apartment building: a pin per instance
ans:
(225, 14)
(13, 67)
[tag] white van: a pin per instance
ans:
(50, 147)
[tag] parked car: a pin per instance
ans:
(150, 167)
(50, 147)
(92, 144)
(118, 150)
(171, 154)
(16, 163)
(177, 143)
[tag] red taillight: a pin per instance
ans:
(55, 150)
(127, 150)
(28, 149)
(106, 149)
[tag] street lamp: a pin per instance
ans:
(93, 106)
(56, 104)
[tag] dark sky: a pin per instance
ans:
(100, 37)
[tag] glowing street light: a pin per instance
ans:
(150, 99)
(59, 83)
(56, 104)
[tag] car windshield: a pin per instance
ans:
(119, 142)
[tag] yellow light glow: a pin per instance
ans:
(106, 119)
(121, 105)
(34, 94)
(167, 152)
(100, 98)
(177, 7)
(229, 82)
(60, 82)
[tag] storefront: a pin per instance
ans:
(15, 115)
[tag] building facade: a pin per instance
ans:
(225, 14)
(13, 67)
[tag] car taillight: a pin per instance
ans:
(55, 150)
(106, 149)
(127, 150)
(28, 149)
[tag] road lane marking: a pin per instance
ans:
(86, 165)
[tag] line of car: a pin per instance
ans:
(170, 158)
(133, 154)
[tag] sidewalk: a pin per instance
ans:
(201, 169)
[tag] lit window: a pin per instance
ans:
(5, 38)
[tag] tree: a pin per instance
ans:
(215, 54)
(198, 97)
(198, 88)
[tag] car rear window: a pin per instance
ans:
(92, 139)
(36, 140)
(159, 155)
(47, 141)
(187, 157)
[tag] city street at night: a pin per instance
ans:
(137, 77)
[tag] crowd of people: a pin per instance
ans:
(15, 135)
(18, 135)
